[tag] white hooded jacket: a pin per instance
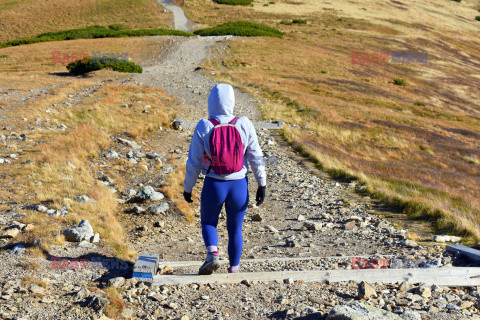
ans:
(220, 106)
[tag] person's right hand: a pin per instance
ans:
(187, 196)
(260, 195)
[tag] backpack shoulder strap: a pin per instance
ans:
(234, 121)
(214, 121)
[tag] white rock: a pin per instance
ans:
(272, 229)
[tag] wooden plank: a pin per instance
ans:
(273, 125)
(450, 277)
(291, 259)
(465, 251)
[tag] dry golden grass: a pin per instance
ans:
(173, 189)
(116, 305)
(351, 117)
(21, 19)
(57, 167)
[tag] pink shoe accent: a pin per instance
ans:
(233, 270)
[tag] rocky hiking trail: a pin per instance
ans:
(308, 222)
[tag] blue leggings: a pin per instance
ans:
(234, 193)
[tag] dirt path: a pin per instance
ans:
(294, 193)
(180, 19)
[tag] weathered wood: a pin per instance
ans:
(465, 251)
(146, 267)
(289, 259)
(451, 276)
(273, 125)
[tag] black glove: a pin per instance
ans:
(187, 196)
(260, 195)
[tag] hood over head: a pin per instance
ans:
(221, 100)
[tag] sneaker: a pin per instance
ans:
(233, 269)
(211, 264)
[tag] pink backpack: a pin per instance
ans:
(226, 148)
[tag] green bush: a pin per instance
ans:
(113, 31)
(241, 29)
(234, 2)
(457, 0)
(4, 56)
(420, 104)
(477, 18)
(400, 82)
(88, 64)
(116, 27)
(294, 21)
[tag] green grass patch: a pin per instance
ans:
(420, 104)
(4, 56)
(477, 18)
(294, 21)
(241, 29)
(399, 82)
(88, 64)
(235, 2)
(93, 32)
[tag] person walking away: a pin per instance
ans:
(224, 147)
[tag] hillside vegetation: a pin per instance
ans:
(410, 132)
(59, 160)
(21, 19)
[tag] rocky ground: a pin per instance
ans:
(306, 217)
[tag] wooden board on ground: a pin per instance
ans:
(465, 251)
(289, 259)
(273, 125)
(450, 277)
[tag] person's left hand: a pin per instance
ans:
(187, 196)
(260, 195)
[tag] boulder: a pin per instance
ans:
(148, 193)
(10, 233)
(256, 217)
(314, 226)
(83, 231)
(84, 199)
(116, 282)
(365, 291)
(129, 143)
(158, 208)
(360, 311)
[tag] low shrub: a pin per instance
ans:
(420, 104)
(88, 64)
(477, 18)
(235, 2)
(116, 27)
(113, 31)
(242, 29)
(3, 56)
(294, 21)
(399, 82)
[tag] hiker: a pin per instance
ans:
(223, 147)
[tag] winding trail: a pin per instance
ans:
(180, 19)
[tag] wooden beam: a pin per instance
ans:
(465, 251)
(448, 276)
(273, 125)
(290, 259)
